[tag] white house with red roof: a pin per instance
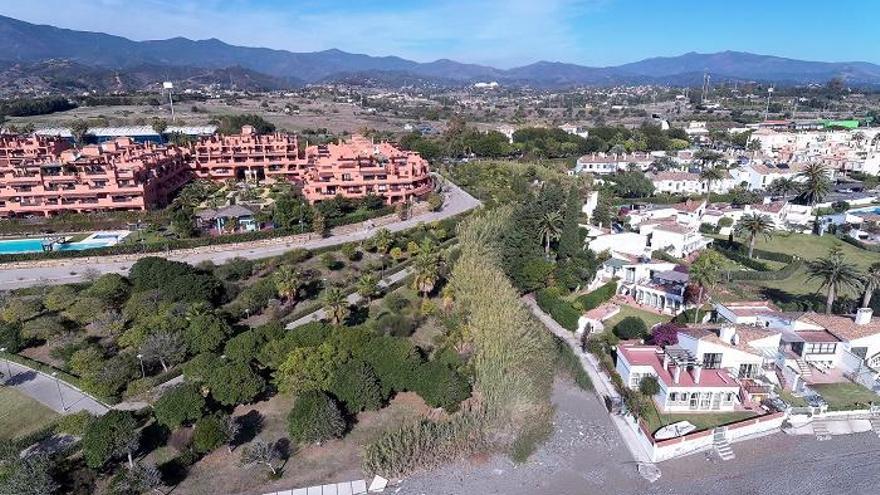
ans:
(744, 351)
(677, 239)
(685, 385)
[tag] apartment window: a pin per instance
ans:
(748, 370)
(712, 360)
(636, 378)
(821, 348)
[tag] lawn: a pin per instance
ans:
(650, 319)
(791, 399)
(20, 415)
(845, 396)
(703, 421)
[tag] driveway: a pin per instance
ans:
(56, 394)
(74, 269)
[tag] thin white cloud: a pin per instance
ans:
(498, 32)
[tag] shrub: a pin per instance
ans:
(109, 436)
(649, 387)
(10, 337)
(235, 383)
(206, 332)
(74, 424)
(315, 417)
(330, 262)
(111, 288)
(350, 251)
(665, 334)
(60, 297)
(179, 405)
(441, 386)
(563, 312)
(211, 432)
(568, 362)
(597, 297)
(630, 327)
(174, 280)
(355, 384)
(235, 269)
(244, 346)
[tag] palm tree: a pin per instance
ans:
(816, 185)
(335, 305)
(784, 186)
(550, 228)
(836, 273)
(383, 240)
(711, 174)
(752, 226)
(368, 286)
(287, 282)
(704, 272)
(872, 283)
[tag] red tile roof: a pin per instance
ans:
(640, 355)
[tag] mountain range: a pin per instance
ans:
(104, 61)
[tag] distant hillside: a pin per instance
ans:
(27, 44)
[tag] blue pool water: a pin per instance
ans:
(864, 211)
(15, 246)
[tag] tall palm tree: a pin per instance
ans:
(704, 273)
(550, 228)
(815, 186)
(426, 267)
(368, 286)
(335, 305)
(287, 282)
(784, 186)
(383, 239)
(752, 226)
(710, 174)
(836, 273)
(872, 283)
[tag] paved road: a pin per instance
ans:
(45, 389)
(352, 299)
(73, 270)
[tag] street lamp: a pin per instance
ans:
(60, 395)
(8, 367)
(141, 359)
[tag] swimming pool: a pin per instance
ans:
(865, 211)
(35, 245)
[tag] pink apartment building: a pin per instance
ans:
(41, 177)
(361, 167)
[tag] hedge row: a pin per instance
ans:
(61, 374)
(781, 274)
(597, 297)
(742, 259)
(758, 253)
(561, 310)
(874, 248)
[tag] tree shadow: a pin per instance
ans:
(794, 302)
(250, 425)
(357, 315)
(21, 378)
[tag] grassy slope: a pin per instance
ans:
(20, 415)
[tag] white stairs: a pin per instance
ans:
(804, 368)
(722, 445)
(820, 429)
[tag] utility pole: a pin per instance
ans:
(767, 111)
(169, 86)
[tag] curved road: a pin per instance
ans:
(74, 269)
(58, 395)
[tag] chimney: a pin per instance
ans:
(863, 316)
(665, 361)
(698, 371)
(727, 333)
(676, 374)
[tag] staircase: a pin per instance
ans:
(804, 368)
(820, 429)
(722, 445)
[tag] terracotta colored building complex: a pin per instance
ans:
(41, 175)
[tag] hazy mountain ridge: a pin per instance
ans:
(28, 43)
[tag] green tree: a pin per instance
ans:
(28, 476)
(165, 347)
(835, 273)
(335, 305)
(179, 405)
(426, 268)
(649, 386)
(872, 283)
(79, 129)
(110, 436)
(315, 418)
(235, 383)
(570, 241)
(206, 330)
(709, 175)
(368, 286)
(262, 453)
(631, 327)
(355, 384)
(815, 186)
(287, 282)
(784, 186)
(211, 432)
(160, 126)
(383, 240)
(705, 273)
(753, 225)
(550, 227)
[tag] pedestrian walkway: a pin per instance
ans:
(352, 299)
(600, 383)
(58, 395)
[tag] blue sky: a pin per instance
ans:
(503, 33)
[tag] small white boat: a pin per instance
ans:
(674, 430)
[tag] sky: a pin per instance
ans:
(501, 33)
